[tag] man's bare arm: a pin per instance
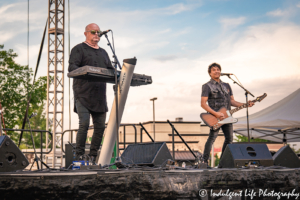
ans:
(237, 104)
(208, 109)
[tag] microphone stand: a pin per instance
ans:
(36, 159)
(246, 94)
(116, 63)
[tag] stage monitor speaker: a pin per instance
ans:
(239, 155)
(151, 154)
(11, 157)
(69, 156)
(286, 157)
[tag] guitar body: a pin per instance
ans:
(213, 122)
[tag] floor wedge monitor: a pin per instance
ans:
(244, 155)
(286, 157)
(151, 154)
(11, 157)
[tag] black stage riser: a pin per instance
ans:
(238, 155)
(152, 154)
(11, 158)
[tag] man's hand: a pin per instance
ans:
(219, 115)
(250, 103)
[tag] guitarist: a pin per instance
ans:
(218, 94)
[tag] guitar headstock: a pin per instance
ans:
(260, 98)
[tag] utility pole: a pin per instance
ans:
(153, 99)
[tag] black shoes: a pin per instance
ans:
(92, 160)
(79, 157)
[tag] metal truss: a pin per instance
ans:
(55, 80)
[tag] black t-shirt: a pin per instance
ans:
(92, 95)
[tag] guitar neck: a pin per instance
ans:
(239, 108)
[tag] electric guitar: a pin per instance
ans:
(214, 123)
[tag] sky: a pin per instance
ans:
(174, 42)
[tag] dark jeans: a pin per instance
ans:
(84, 122)
(228, 133)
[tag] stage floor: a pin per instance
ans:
(148, 183)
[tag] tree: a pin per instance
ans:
(241, 138)
(15, 88)
(217, 160)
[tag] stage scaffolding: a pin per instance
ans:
(55, 75)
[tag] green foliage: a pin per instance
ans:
(241, 138)
(217, 160)
(296, 151)
(15, 88)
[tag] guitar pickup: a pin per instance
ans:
(228, 113)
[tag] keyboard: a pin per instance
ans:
(107, 75)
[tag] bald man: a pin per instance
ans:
(90, 97)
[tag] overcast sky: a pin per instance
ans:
(174, 42)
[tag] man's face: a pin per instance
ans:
(215, 73)
(92, 38)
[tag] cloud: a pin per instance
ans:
(298, 5)
(164, 31)
(16, 12)
(6, 36)
(260, 51)
(22, 53)
(230, 23)
(13, 23)
(264, 58)
(4, 8)
(277, 13)
(176, 9)
(164, 58)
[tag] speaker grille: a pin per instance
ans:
(239, 155)
(11, 158)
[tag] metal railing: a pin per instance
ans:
(62, 138)
(173, 146)
(143, 128)
(124, 135)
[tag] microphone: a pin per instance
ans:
(225, 74)
(32, 115)
(103, 32)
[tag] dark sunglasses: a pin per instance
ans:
(94, 32)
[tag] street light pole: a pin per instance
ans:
(153, 99)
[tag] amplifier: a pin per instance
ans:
(69, 157)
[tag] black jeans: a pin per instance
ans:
(228, 133)
(84, 122)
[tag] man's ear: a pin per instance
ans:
(85, 33)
